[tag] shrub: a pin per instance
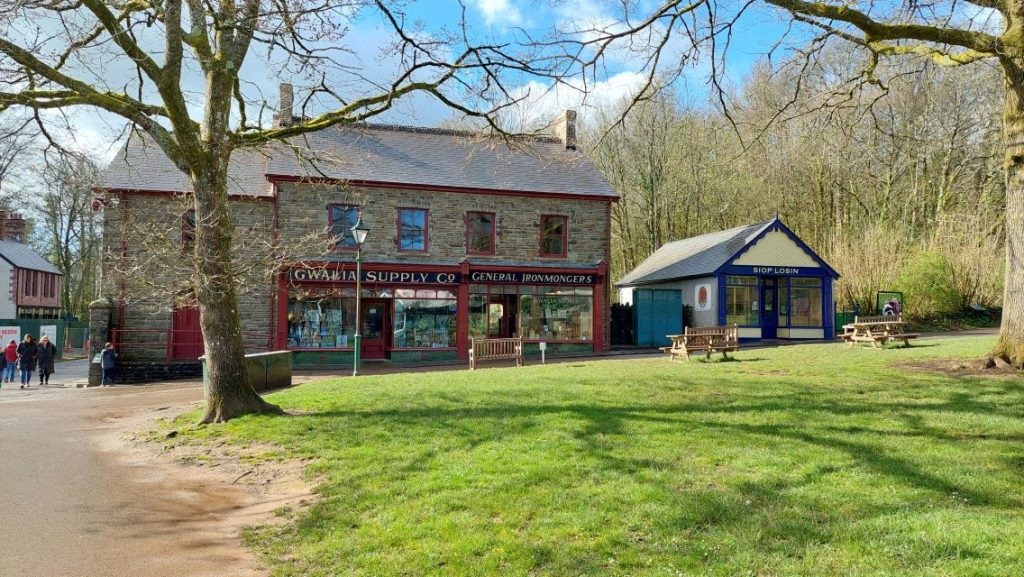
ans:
(927, 284)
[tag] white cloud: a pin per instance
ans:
(541, 103)
(499, 11)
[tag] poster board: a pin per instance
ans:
(48, 330)
(9, 333)
(702, 298)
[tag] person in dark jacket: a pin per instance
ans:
(108, 359)
(45, 355)
(27, 360)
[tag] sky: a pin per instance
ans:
(366, 41)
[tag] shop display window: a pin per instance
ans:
(556, 317)
(327, 323)
(425, 322)
(805, 302)
(741, 300)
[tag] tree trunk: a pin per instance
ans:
(1010, 346)
(228, 392)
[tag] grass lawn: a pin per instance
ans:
(802, 460)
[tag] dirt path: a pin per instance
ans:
(78, 500)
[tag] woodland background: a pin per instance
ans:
(898, 185)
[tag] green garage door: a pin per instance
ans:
(656, 313)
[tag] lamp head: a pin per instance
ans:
(359, 231)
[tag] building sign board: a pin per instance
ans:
(775, 270)
(373, 276)
(484, 276)
(302, 275)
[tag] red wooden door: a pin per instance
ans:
(186, 336)
(374, 336)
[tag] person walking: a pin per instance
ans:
(46, 353)
(11, 359)
(108, 359)
(27, 360)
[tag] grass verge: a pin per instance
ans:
(803, 460)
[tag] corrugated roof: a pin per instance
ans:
(690, 257)
(22, 256)
(379, 153)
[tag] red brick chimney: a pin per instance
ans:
(12, 226)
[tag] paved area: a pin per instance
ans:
(74, 502)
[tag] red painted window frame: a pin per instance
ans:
(330, 226)
(186, 242)
(494, 231)
(426, 229)
(565, 236)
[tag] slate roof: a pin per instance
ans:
(692, 257)
(141, 165)
(380, 153)
(22, 256)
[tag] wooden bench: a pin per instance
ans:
(495, 349)
(705, 340)
(877, 330)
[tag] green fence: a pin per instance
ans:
(16, 329)
(842, 318)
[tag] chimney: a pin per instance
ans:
(565, 129)
(12, 226)
(286, 102)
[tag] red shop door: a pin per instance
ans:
(186, 336)
(374, 338)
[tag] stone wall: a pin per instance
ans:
(517, 234)
(160, 270)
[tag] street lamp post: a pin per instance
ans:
(359, 232)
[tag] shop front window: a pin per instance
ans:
(427, 322)
(805, 302)
(342, 218)
(327, 323)
(556, 314)
(741, 300)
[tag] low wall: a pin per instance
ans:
(137, 372)
(271, 370)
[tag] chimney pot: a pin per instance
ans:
(565, 129)
(286, 103)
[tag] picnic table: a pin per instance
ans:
(705, 340)
(877, 330)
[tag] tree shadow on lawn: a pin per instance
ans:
(602, 427)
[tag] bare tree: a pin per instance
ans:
(174, 69)
(665, 38)
(67, 230)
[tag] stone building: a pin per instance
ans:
(469, 237)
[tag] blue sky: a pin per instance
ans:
(498, 19)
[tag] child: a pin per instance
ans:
(107, 358)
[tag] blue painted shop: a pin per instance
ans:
(761, 277)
